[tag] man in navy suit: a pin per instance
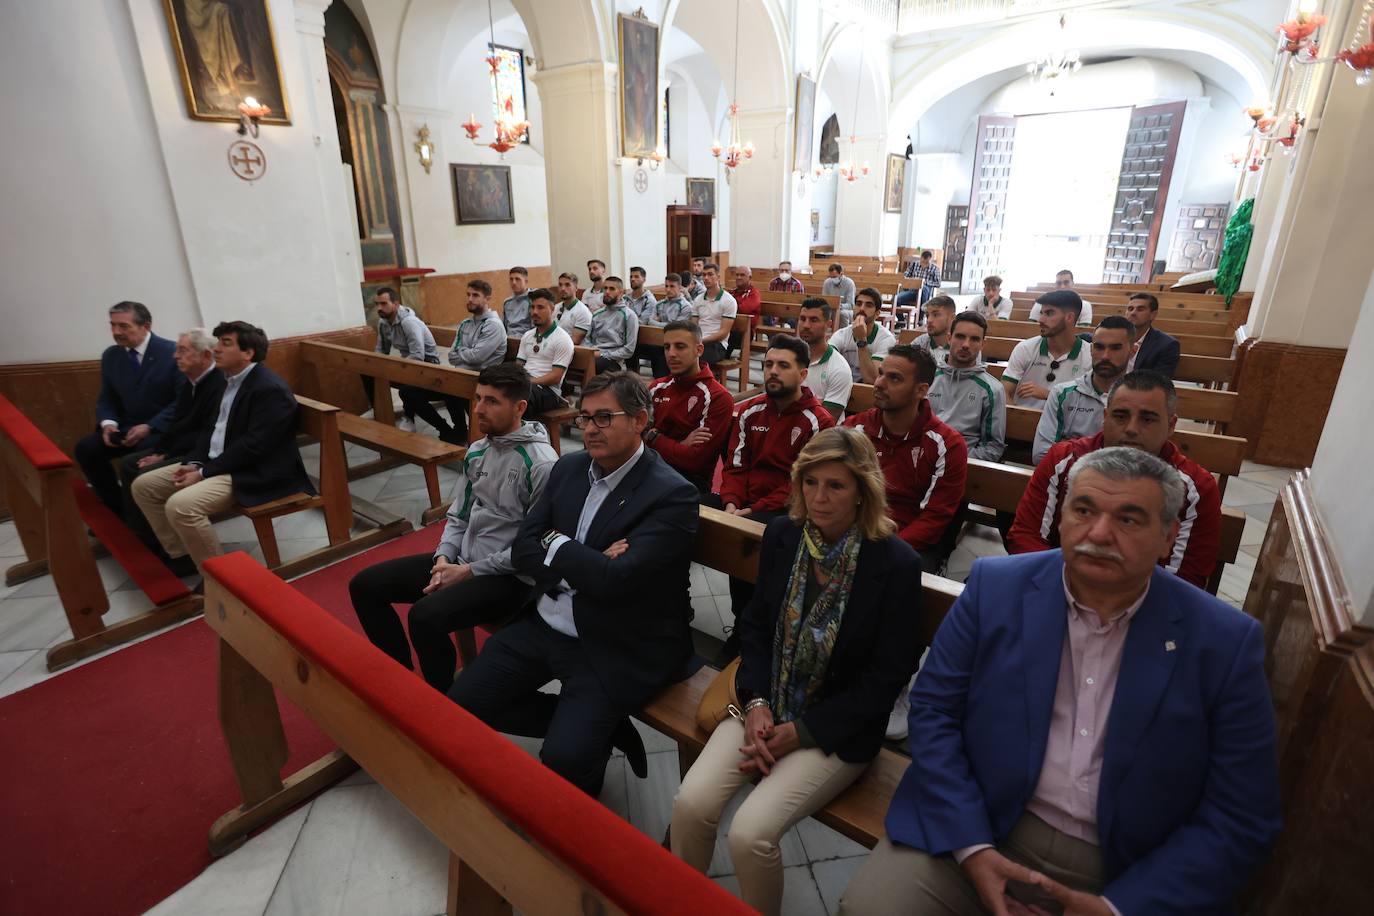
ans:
(608, 544)
(245, 456)
(1090, 734)
(139, 386)
(1155, 350)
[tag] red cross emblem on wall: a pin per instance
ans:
(247, 160)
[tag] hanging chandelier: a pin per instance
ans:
(847, 169)
(510, 130)
(1056, 64)
(737, 150)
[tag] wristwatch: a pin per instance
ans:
(650, 435)
(549, 537)
(861, 343)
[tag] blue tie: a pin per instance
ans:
(133, 358)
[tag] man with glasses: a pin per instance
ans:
(1057, 355)
(608, 545)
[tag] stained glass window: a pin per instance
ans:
(508, 83)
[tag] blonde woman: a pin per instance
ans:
(827, 642)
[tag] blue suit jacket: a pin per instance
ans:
(148, 394)
(1158, 352)
(1188, 799)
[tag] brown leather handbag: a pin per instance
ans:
(719, 700)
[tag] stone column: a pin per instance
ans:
(581, 127)
(762, 190)
(860, 223)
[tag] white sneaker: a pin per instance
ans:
(406, 424)
(897, 720)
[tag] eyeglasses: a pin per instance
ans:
(602, 418)
(1054, 365)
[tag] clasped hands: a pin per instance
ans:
(765, 743)
(989, 871)
(187, 475)
(444, 573)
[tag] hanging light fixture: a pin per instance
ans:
(510, 131)
(736, 151)
(848, 170)
(1056, 64)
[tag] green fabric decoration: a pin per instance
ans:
(1234, 250)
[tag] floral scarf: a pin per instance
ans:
(803, 640)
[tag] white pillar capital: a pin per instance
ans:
(310, 16)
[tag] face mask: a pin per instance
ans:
(785, 275)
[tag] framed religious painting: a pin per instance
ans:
(482, 194)
(892, 190)
(804, 138)
(226, 53)
(637, 40)
(701, 195)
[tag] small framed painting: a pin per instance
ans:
(226, 54)
(701, 195)
(482, 194)
(896, 175)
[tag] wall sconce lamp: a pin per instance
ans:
(424, 148)
(250, 113)
(655, 158)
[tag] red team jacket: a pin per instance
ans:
(925, 471)
(684, 405)
(1199, 533)
(763, 445)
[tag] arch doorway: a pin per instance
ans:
(364, 140)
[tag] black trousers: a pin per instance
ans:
(458, 415)
(713, 353)
(658, 363)
(544, 399)
(94, 457)
(606, 364)
(416, 402)
(502, 689)
(433, 618)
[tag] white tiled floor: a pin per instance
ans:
(355, 849)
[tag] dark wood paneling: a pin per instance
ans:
(1320, 665)
(1197, 238)
(988, 199)
(1147, 163)
(1285, 393)
(444, 297)
(956, 239)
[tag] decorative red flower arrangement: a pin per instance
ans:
(1297, 31)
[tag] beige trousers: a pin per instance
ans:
(802, 782)
(901, 881)
(181, 518)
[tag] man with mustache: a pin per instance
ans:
(1142, 409)
(1055, 356)
(1089, 735)
(1075, 407)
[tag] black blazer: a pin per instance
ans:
(631, 612)
(1158, 352)
(259, 443)
(146, 395)
(196, 408)
(875, 652)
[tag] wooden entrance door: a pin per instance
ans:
(956, 238)
(1147, 163)
(1196, 244)
(988, 199)
(689, 236)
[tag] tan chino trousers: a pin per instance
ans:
(181, 518)
(898, 880)
(801, 783)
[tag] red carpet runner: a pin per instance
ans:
(111, 773)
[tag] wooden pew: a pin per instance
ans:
(731, 544)
(1191, 344)
(516, 832)
(1175, 321)
(381, 434)
(740, 364)
(1000, 487)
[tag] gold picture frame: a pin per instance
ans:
(894, 186)
(637, 47)
(804, 137)
(238, 61)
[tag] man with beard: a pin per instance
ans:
(864, 342)
(828, 375)
(596, 269)
(697, 285)
(715, 310)
(1075, 407)
(966, 396)
(691, 410)
(1056, 355)
(939, 314)
(1142, 409)
(515, 311)
(479, 343)
(572, 313)
(615, 328)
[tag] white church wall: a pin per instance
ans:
(1341, 482)
(88, 216)
(277, 251)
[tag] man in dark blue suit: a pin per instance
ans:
(1090, 734)
(139, 385)
(1155, 350)
(608, 545)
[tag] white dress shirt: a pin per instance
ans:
(232, 384)
(557, 607)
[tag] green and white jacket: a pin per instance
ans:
(973, 402)
(502, 476)
(1074, 409)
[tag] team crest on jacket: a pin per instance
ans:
(692, 402)
(796, 434)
